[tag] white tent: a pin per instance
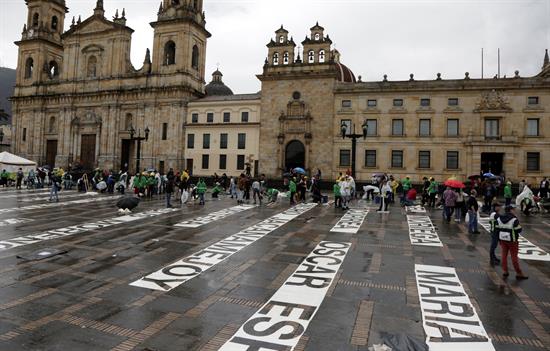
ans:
(12, 163)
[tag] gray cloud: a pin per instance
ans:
(374, 37)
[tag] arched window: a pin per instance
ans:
(128, 121)
(53, 69)
(317, 36)
(35, 19)
(169, 53)
(311, 56)
(54, 23)
(29, 67)
(92, 67)
(285, 58)
(322, 56)
(195, 57)
(52, 126)
(276, 58)
(281, 39)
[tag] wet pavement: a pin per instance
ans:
(222, 277)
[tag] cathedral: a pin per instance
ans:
(79, 100)
(78, 96)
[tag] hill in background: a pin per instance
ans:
(7, 82)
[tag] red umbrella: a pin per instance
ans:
(453, 183)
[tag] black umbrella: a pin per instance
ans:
(128, 203)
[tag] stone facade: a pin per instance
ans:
(77, 93)
(231, 116)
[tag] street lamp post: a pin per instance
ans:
(353, 136)
(139, 139)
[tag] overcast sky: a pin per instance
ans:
(374, 37)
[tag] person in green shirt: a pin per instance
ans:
(292, 188)
(508, 193)
(4, 176)
(406, 185)
(201, 190)
(272, 194)
(337, 195)
(216, 191)
(432, 190)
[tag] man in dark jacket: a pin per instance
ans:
(493, 219)
(472, 207)
(509, 230)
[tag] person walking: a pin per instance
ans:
(459, 205)
(406, 185)
(4, 176)
(241, 186)
(509, 229)
(292, 189)
(493, 220)
(337, 194)
(432, 191)
(544, 188)
(169, 187)
(345, 192)
(385, 193)
(449, 202)
(19, 178)
(472, 207)
(56, 185)
(201, 190)
(508, 193)
(256, 191)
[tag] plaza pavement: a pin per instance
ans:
(225, 278)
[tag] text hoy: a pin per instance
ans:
(216, 216)
(77, 229)
(351, 221)
(280, 323)
(189, 267)
(422, 231)
(449, 318)
(527, 250)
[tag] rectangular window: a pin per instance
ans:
(452, 127)
(533, 161)
(533, 127)
(453, 102)
(205, 161)
(190, 141)
(209, 117)
(533, 100)
(425, 127)
(372, 103)
(226, 117)
(164, 131)
(345, 158)
(241, 142)
(398, 102)
(347, 123)
(423, 159)
(370, 158)
(397, 127)
(240, 162)
(206, 141)
(223, 141)
(492, 129)
(397, 159)
(452, 159)
(424, 102)
(195, 118)
(346, 103)
(24, 134)
(223, 161)
(244, 117)
(372, 127)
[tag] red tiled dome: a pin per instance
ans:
(344, 73)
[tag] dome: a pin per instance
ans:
(344, 73)
(216, 87)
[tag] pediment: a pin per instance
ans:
(94, 24)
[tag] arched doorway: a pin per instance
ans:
(295, 155)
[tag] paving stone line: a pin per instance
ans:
(242, 302)
(412, 292)
(515, 340)
(361, 329)
(146, 333)
(375, 263)
(371, 285)
(236, 272)
(539, 331)
(220, 338)
(101, 326)
(334, 284)
(27, 298)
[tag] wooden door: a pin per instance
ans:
(87, 151)
(51, 152)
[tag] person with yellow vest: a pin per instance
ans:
(509, 229)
